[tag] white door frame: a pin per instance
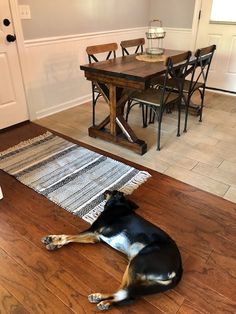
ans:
(19, 44)
(195, 24)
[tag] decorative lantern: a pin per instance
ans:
(155, 35)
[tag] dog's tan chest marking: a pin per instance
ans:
(121, 242)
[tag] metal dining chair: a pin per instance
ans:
(157, 100)
(197, 73)
(105, 52)
(200, 70)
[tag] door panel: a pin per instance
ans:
(222, 73)
(13, 108)
(7, 93)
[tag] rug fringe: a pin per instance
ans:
(135, 182)
(91, 216)
(25, 143)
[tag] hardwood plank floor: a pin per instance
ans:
(33, 280)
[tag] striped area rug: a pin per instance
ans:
(68, 174)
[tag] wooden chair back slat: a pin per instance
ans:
(178, 58)
(132, 42)
(205, 51)
(91, 50)
(137, 42)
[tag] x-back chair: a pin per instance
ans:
(200, 70)
(95, 54)
(158, 100)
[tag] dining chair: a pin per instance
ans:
(198, 79)
(132, 46)
(197, 74)
(157, 100)
(98, 53)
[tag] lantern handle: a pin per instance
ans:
(155, 21)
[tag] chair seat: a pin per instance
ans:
(152, 96)
(196, 85)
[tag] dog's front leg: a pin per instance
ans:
(53, 242)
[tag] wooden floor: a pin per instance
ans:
(33, 280)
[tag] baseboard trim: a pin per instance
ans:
(61, 107)
(220, 90)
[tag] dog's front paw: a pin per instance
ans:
(95, 297)
(103, 305)
(46, 240)
(51, 242)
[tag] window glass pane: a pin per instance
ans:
(223, 11)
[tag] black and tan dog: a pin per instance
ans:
(154, 259)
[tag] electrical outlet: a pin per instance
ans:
(24, 12)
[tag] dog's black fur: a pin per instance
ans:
(154, 259)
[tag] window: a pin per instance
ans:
(223, 11)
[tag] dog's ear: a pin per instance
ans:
(132, 205)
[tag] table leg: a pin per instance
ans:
(119, 131)
(113, 110)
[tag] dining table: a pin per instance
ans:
(116, 80)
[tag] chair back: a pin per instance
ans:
(137, 45)
(108, 49)
(176, 70)
(201, 66)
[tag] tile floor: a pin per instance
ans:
(204, 157)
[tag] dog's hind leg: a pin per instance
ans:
(53, 242)
(105, 301)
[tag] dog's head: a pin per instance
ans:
(117, 198)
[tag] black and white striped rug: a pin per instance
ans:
(68, 174)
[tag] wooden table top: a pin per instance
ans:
(129, 67)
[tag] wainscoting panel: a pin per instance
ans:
(54, 81)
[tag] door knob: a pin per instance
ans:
(10, 38)
(6, 22)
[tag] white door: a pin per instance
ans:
(222, 74)
(13, 108)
